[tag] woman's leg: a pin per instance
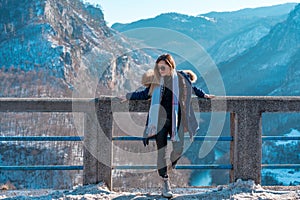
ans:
(161, 142)
(177, 147)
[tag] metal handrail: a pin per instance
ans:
(43, 167)
(195, 138)
(267, 138)
(280, 166)
(142, 167)
(41, 138)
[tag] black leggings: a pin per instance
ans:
(162, 141)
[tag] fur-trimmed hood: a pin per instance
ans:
(148, 76)
(191, 75)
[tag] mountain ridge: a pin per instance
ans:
(275, 51)
(212, 29)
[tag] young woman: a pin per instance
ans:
(170, 112)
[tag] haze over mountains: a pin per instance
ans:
(64, 38)
(262, 41)
(222, 34)
(273, 62)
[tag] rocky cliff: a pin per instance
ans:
(65, 39)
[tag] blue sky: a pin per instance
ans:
(126, 11)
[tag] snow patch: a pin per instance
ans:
(208, 18)
(180, 19)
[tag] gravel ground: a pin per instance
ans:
(238, 190)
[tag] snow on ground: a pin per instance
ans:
(237, 190)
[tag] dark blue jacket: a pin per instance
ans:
(143, 93)
(185, 94)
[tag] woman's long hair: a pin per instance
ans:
(169, 61)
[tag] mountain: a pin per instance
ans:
(66, 40)
(270, 68)
(273, 63)
(57, 48)
(198, 28)
(222, 34)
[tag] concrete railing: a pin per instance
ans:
(245, 118)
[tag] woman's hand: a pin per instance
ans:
(145, 141)
(122, 98)
(209, 96)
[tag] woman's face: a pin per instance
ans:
(163, 68)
